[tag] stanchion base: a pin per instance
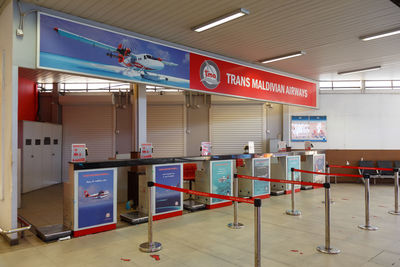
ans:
(326, 250)
(368, 227)
(293, 212)
(235, 226)
(332, 202)
(393, 212)
(150, 247)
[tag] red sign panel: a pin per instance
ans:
(221, 77)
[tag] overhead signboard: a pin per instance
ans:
(65, 45)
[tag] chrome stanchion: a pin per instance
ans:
(396, 193)
(328, 180)
(327, 248)
(150, 246)
(257, 232)
(293, 211)
(367, 225)
(235, 224)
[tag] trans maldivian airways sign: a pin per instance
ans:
(221, 77)
(75, 47)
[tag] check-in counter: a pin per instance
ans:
(281, 165)
(215, 177)
(316, 163)
(257, 167)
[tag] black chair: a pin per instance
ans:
(385, 164)
(371, 164)
(397, 164)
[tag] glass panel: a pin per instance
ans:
(378, 85)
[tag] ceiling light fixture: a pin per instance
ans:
(282, 57)
(380, 34)
(220, 20)
(359, 70)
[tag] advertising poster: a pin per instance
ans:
(221, 178)
(83, 49)
(261, 169)
(293, 162)
(96, 200)
(168, 200)
(308, 128)
(319, 166)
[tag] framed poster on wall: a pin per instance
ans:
(308, 128)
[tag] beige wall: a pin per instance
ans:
(7, 184)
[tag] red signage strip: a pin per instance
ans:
(204, 194)
(222, 77)
(279, 181)
(361, 168)
(330, 174)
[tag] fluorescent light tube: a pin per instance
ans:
(380, 34)
(220, 20)
(282, 57)
(359, 70)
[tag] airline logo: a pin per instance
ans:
(209, 74)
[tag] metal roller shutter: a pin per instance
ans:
(232, 126)
(92, 125)
(165, 130)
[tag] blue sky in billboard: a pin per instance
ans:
(83, 49)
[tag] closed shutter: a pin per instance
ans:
(92, 125)
(232, 126)
(165, 130)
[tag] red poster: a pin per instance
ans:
(221, 77)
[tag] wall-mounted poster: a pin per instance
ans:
(95, 192)
(167, 200)
(261, 169)
(308, 128)
(221, 177)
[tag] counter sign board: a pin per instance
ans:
(221, 179)
(146, 151)
(78, 153)
(76, 47)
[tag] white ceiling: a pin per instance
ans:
(327, 31)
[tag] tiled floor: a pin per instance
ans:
(202, 238)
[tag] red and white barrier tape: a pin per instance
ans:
(361, 168)
(204, 194)
(331, 174)
(279, 181)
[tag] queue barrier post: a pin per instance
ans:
(257, 232)
(235, 224)
(327, 247)
(293, 211)
(396, 193)
(367, 225)
(328, 180)
(150, 246)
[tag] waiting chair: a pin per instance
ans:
(385, 164)
(372, 173)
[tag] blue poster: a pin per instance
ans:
(79, 48)
(221, 178)
(95, 198)
(261, 169)
(293, 162)
(168, 200)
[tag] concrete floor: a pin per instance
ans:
(202, 238)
